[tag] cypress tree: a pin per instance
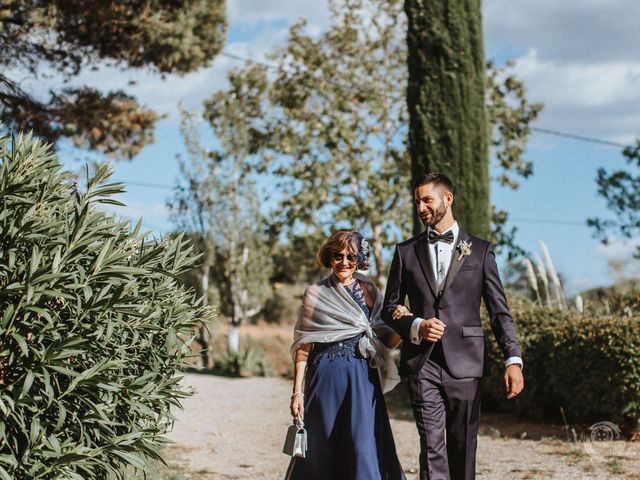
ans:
(445, 96)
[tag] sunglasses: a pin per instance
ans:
(338, 257)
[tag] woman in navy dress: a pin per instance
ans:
(340, 355)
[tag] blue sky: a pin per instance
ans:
(578, 57)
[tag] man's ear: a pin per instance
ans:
(449, 197)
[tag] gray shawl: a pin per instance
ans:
(330, 314)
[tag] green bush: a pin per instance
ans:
(94, 325)
(588, 366)
(250, 360)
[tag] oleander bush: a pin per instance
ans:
(586, 366)
(94, 325)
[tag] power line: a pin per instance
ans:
(240, 58)
(583, 138)
(135, 183)
(549, 131)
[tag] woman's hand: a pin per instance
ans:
(297, 405)
(400, 311)
(299, 367)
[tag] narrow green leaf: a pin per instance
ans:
(28, 381)
(5, 475)
(22, 343)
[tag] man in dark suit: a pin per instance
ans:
(446, 272)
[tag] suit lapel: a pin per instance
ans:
(456, 261)
(421, 248)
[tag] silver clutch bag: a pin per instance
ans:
(295, 443)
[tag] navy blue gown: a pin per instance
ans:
(348, 430)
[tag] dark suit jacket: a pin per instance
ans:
(469, 280)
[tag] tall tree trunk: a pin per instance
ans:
(236, 320)
(205, 333)
(445, 97)
(234, 338)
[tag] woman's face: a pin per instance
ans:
(344, 264)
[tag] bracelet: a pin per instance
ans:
(297, 393)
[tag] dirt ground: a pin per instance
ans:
(233, 428)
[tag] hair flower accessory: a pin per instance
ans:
(364, 247)
(464, 249)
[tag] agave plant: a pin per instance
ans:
(94, 324)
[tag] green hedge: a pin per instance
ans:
(589, 366)
(94, 325)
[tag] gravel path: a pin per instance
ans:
(234, 429)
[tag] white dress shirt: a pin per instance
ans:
(441, 254)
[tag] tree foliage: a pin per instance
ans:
(510, 116)
(621, 190)
(94, 325)
(332, 125)
(327, 115)
(217, 202)
(330, 118)
(37, 37)
(349, 163)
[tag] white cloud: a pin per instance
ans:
(588, 84)
(579, 57)
(598, 99)
(568, 30)
(253, 12)
(617, 249)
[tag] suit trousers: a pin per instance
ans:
(446, 410)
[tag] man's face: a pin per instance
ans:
(431, 204)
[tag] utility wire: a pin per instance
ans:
(583, 138)
(549, 131)
(515, 219)
(240, 58)
(135, 183)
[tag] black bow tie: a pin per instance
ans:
(446, 237)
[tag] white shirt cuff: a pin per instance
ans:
(415, 331)
(512, 360)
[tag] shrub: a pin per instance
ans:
(249, 360)
(589, 366)
(94, 325)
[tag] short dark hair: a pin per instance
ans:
(338, 241)
(439, 180)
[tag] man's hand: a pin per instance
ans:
(432, 330)
(513, 380)
(399, 312)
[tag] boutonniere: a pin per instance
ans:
(464, 249)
